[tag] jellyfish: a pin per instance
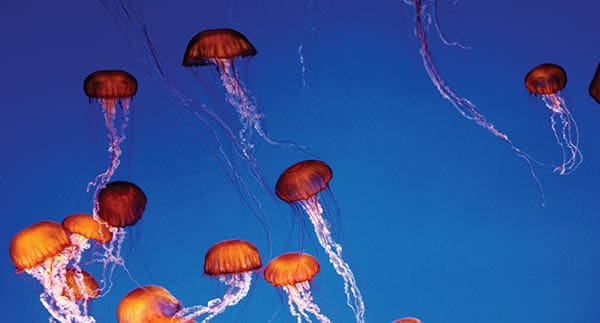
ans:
(81, 285)
(44, 250)
(595, 85)
(233, 261)
(149, 304)
(293, 272)
(547, 80)
(300, 184)
(221, 47)
(82, 228)
(109, 89)
(407, 320)
(120, 204)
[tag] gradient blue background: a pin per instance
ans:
(440, 219)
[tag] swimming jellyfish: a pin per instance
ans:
(152, 304)
(293, 272)
(221, 47)
(120, 204)
(595, 85)
(43, 250)
(108, 90)
(300, 184)
(234, 262)
(547, 80)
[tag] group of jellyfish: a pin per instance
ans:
(52, 252)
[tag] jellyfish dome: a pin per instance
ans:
(150, 304)
(121, 204)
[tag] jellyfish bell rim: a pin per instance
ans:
(287, 259)
(546, 71)
(201, 60)
(282, 187)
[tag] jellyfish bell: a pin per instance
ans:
(211, 46)
(44, 250)
(595, 85)
(121, 204)
(293, 273)
(151, 304)
(407, 320)
(303, 180)
(546, 79)
(233, 261)
(81, 285)
(83, 228)
(301, 185)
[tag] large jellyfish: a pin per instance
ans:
(221, 47)
(300, 184)
(111, 89)
(120, 204)
(547, 80)
(293, 272)
(463, 105)
(149, 304)
(44, 250)
(233, 261)
(595, 85)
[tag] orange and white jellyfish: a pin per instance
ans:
(300, 184)
(407, 320)
(82, 228)
(234, 262)
(221, 47)
(595, 85)
(120, 204)
(108, 90)
(44, 250)
(293, 272)
(547, 80)
(81, 287)
(149, 304)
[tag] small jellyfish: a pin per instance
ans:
(595, 85)
(547, 80)
(120, 204)
(293, 272)
(150, 304)
(300, 185)
(80, 285)
(109, 89)
(44, 250)
(233, 261)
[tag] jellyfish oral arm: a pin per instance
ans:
(238, 287)
(568, 139)
(300, 297)
(334, 251)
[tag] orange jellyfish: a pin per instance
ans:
(407, 320)
(220, 47)
(233, 261)
(547, 80)
(44, 250)
(300, 184)
(595, 85)
(120, 204)
(109, 89)
(293, 272)
(82, 228)
(80, 285)
(149, 304)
